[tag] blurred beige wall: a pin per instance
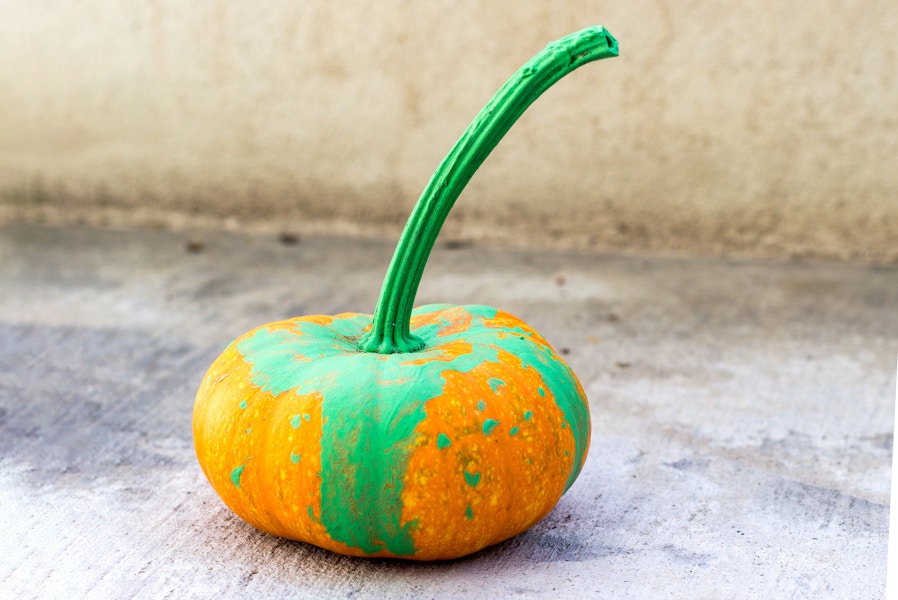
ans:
(759, 128)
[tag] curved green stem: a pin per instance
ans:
(390, 328)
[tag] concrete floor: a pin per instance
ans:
(742, 419)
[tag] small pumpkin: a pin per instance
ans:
(424, 433)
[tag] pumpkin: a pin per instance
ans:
(425, 433)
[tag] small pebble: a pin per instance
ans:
(288, 238)
(195, 246)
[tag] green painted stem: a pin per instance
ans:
(390, 330)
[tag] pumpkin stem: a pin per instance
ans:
(390, 329)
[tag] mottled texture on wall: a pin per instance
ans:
(759, 129)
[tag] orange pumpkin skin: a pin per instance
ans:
(424, 455)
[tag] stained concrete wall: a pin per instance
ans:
(757, 128)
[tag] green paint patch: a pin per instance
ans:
(235, 475)
(295, 458)
(278, 350)
(481, 405)
(483, 311)
(307, 417)
(495, 383)
(443, 441)
(296, 421)
(541, 391)
(469, 514)
(243, 405)
(472, 478)
(489, 425)
(528, 414)
(514, 430)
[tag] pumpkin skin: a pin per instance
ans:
(424, 455)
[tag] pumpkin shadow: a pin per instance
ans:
(566, 534)
(549, 541)
(541, 547)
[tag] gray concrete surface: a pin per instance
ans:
(742, 420)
